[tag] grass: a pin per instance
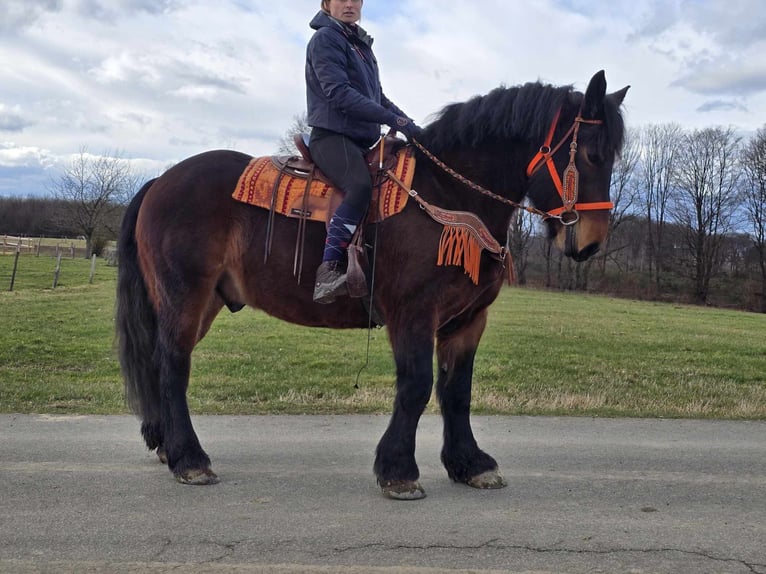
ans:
(612, 357)
(542, 354)
(37, 272)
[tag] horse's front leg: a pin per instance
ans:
(464, 460)
(395, 465)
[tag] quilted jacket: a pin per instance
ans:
(343, 91)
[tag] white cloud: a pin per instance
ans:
(717, 105)
(19, 14)
(724, 76)
(12, 155)
(164, 79)
(12, 119)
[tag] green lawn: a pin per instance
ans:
(542, 353)
(37, 272)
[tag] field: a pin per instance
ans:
(34, 272)
(543, 353)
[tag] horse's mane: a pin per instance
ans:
(512, 114)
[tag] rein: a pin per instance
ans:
(476, 187)
(568, 191)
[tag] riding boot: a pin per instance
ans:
(330, 282)
(331, 275)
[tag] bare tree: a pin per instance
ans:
(300, 125)
(546, 250)
(705, 201)
(623, 192)
(754, 195)
(659, 148)
(94, 188)
(520, 242)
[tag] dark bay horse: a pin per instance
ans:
(187, 249)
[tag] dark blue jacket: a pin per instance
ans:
(343, 91)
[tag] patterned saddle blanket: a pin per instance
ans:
(293, 187)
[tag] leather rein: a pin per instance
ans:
(568, 191)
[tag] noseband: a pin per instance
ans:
(569, 190)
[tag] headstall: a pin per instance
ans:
(569, 189)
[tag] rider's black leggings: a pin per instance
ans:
(342, 160)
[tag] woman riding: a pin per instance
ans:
(346, 107)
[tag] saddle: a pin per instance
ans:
(380, 158)
(293, 186)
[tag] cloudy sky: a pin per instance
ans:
(159, 80)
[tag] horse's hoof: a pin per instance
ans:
(162, 454)
(403, 489)
(198, 477)
(489, 480)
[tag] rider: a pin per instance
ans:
(346, 107)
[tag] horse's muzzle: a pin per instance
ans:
(571, 250)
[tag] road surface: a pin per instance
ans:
(297, 495)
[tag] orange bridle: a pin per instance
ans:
(568, 191)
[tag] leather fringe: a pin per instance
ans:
(458, 246)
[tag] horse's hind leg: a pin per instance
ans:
(395, 465)
(181, 324)
(464, 460)
(152, 431)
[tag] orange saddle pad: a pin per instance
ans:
(261, 179)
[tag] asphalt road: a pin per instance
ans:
(81, 494)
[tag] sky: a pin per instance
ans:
(155, 81)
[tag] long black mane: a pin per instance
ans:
(519, 113)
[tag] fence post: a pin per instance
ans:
(37, 250)
(57, 271)
(15, 265)
(71, 249)
(92, 268)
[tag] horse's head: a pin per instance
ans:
(570, 175)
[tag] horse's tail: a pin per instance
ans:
(136, 323)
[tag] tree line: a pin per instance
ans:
(689, 222)
(50, 217)
(87, 200)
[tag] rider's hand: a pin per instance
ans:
(408, 128)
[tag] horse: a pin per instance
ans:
(187, 250)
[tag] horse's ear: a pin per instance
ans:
(617, 97)
(594, 95)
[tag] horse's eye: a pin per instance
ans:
(594, 158)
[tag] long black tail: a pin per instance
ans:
(136, 324)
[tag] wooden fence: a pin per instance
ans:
(10, 244)
(27, 271)
(13, 244)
